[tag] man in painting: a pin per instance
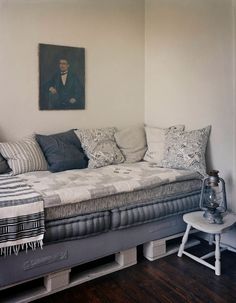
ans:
(63, 88)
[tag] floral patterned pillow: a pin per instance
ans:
(186, 150)
(100, 146)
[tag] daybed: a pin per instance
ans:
(93, 213)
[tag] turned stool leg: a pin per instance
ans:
(211, 239)
(184, 240)
(217, 255)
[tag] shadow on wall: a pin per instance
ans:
(1, 135)
(228, 177)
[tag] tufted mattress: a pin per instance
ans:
(82, 203)
(119, 218)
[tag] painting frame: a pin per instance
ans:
(61, 77)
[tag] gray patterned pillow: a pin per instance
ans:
(23, 156)
(100, 146)
(186, 150)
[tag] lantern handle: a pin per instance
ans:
(202, 193)
(224, 193)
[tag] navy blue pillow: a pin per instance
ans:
(62, 151)
(4, 168)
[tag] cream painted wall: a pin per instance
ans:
(189, 73)
(112, 33)
(188, 66)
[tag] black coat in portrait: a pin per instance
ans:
(68, 95)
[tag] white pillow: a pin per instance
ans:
(23, 156)
(132, 143)
(156, 138)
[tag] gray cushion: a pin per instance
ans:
(62, 151)
(132, 143)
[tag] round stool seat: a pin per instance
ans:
(198, 222)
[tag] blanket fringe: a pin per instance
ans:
(7, 251)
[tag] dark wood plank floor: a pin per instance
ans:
(168, 280)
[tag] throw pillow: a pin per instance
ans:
(132, 143)
(100, 146)
(23, 156)
(4, 168)
(156, 138)
(186, 150)
(62, 151)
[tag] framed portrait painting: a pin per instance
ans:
(61, 77)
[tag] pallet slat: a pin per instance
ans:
(157, 249)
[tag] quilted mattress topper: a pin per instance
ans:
(70, 189)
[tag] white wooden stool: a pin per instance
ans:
(197, 221)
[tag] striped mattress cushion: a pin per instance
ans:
(23, 156)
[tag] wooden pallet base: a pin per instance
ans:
(157, 249)
(67, 278)
(61, 280)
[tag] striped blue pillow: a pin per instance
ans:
(23, 156)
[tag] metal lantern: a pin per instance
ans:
(213, 198)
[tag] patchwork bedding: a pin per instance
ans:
(142, 196)
(81, 203)
(78, 192)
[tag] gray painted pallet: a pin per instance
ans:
(61, 280)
